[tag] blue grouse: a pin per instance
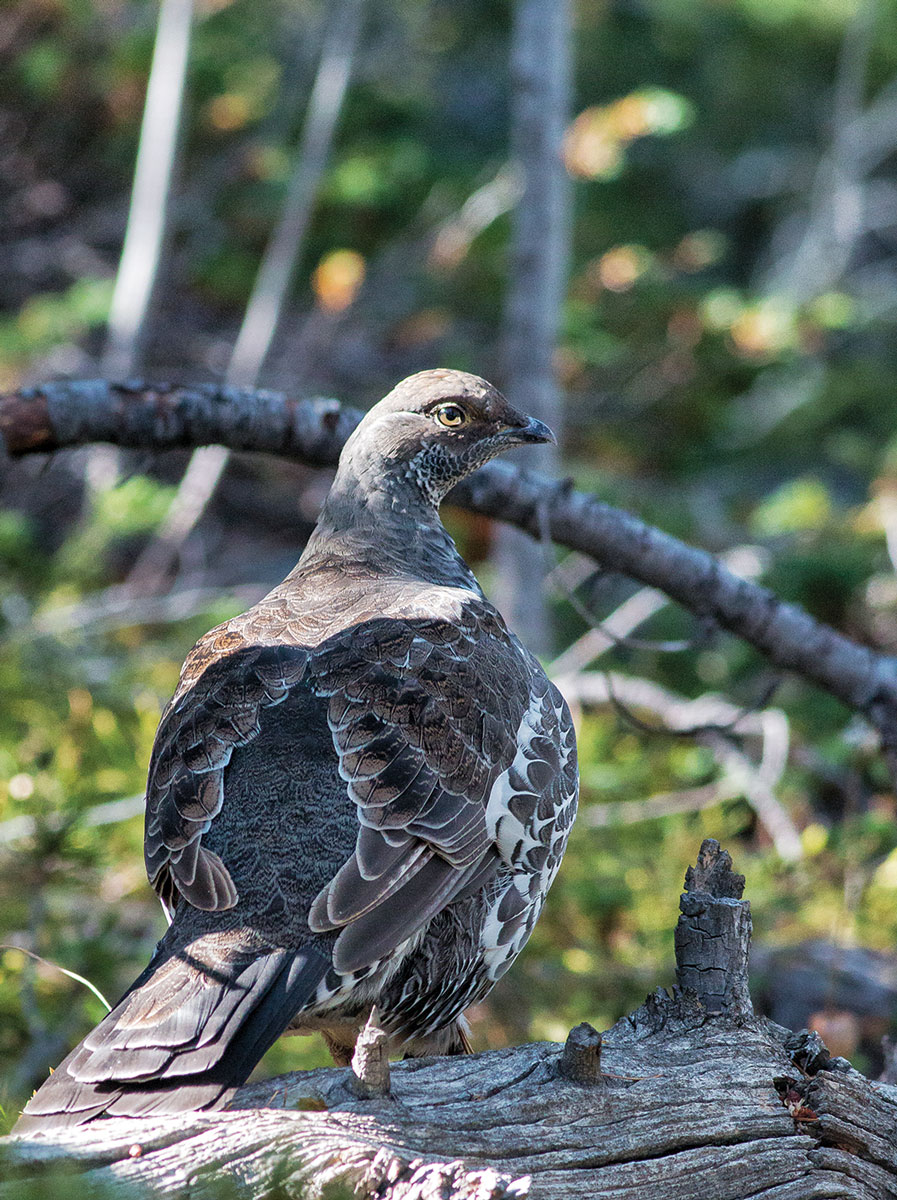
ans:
(359, 794)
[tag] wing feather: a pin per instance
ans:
(412, 722)
(377, 932)
(424, 716)
(220, 712)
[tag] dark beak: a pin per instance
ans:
(529, 431)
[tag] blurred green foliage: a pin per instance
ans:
(705, 392)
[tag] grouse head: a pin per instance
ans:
(432, 430)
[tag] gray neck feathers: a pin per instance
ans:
(381, 516)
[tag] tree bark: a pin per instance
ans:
(689, 1097)
(537, 277)
(160, 417)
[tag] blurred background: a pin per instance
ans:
(670, 227)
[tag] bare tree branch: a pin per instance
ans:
(616, 629)
(74, 413)
(489, 202)
(703, 719)
(118, 607)
(110, 812)
(633, 812)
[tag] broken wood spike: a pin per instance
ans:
(713, 936)
(370, 1062)
(808, 1051)
(581, 1057)
(713, 873)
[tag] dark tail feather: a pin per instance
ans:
(184, 1037)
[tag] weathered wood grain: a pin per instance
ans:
(689, 1105)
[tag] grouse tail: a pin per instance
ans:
(184, 1037)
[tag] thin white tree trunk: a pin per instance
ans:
(272, 283)
(147, 221)
(540, 90)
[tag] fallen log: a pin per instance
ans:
(691, 1097)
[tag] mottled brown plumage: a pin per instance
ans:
(360, 791)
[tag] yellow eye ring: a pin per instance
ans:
(451, 415)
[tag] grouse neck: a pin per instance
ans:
(384, 526)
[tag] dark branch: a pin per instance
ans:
(160, 417)
(164, 417)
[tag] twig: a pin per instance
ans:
(117, 607)
(477, 213)
(662, 804)
(64, 970)
(687, 731)
(679, 714)
(757, 789)
(837, 206)
(110, 813)
(616, 629)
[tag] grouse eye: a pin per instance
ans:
(451, 415)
